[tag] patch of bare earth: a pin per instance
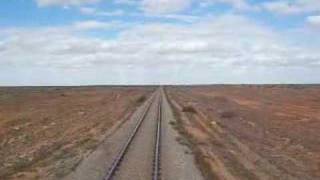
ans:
(252, 132)
(46, 132)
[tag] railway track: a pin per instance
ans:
(156, 163)
(116, 165)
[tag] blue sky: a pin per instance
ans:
(28, 13)
(79, 42)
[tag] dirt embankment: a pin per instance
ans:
(252, 132)
(46, 132)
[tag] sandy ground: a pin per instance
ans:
(177, 160)
(251, 132)
(46, 132)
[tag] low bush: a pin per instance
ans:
(189, 109)
(141, 99)
(227, 114)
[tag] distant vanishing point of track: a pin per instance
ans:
(151, 117)
(143, 146)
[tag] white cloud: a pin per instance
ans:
(236, 4)
(164, 6)
(178, 17)
(88, 10)
(127, 2)
(91, 25)
(157, 50)
(119, 12)
(289, 7)
(314, 21)
(64, 2)
(173, 6)
(95, 12)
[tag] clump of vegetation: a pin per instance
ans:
(189, 141)
(190, 109)
(173, 123)
(183, 141)
(141, 99)
(67, 165)
(220, 99)
(227, 114)
(21, 163)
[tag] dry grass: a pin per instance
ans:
(187, 140)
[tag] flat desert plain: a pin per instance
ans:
(234, 132)
(45, 132)
(251, 132)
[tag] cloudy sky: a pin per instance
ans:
(80, 42)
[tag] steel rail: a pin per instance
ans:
(156, 162)
(112, 170)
